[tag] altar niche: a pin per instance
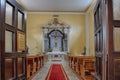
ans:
(55, 36)
(56, 40)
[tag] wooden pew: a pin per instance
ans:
(86, 68)
(36, 60)
(75, 64)
(30, 63)
(34, 63)
(82, 65)
(28, 71)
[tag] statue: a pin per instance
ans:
(56, 41)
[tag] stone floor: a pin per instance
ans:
(41, 75)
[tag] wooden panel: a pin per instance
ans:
(116, 38)
(99, 67)
(20, 66)
(113, 39)
(20, 41)
(8, 69)
(117, 69)
(100, 40)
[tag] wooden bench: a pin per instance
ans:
(82, 65)
(86, 68)
(34, 63)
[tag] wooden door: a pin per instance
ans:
(13, 32)
(114, 39)
(100, 40)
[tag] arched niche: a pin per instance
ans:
(55, 36)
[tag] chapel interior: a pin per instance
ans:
(59, 40)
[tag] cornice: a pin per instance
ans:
(77, 13)
(91, 7)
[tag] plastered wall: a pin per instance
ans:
(91, 33)
(76, 35)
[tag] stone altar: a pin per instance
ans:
(56, 55)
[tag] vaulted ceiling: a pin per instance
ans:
(56, 5)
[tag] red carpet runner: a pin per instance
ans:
(56, 72)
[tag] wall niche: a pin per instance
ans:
(55, 36)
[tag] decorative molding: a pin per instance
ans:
(77, 13)
(55, 25)
(91, 7)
